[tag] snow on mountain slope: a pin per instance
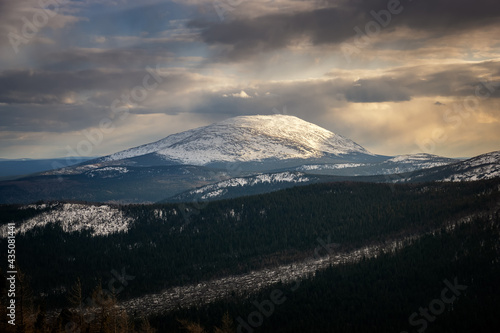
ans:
(101, 219)
(420, 158)
(312, 167)
(219, 189)
(107, 172)
(397, 164)
(485, 166)
(247, 138)
(412, 162)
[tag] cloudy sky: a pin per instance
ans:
(92, 77)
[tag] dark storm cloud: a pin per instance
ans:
(46, 87)
(248, 36)
(308, 99)
(49, 118)
(107, 58)
(319, 96)
(450, 14)
(311, 97)
(42, 101)
(42, 87)
(244, 37)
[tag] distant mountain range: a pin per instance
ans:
(15, 168)
(238, 156)
(486, 166)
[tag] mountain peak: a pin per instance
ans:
(274, 123)
(252, 120)
(248, 139)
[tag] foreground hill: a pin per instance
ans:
(234, 248)
(408, 290)
(204, 240)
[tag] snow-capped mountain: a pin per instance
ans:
(397, 164)
(486, 166)
(412, 162)
(232, 151)
(238, 186)
(246, 139)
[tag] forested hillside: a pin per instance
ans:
(177, 244)
(395, 292)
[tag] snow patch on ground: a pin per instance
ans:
(71, 170)
(485, 166)
(478, 173)
(413, 162)
(107, 172)
(102, 220)
(220, 188)
(414, 157)
(329, 166)
(490, 158)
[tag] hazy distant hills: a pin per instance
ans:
(398, 164)
(10, 169)
(110, 184)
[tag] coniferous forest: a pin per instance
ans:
(449, 235)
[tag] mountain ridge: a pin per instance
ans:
(254, 151)
(246, 139)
